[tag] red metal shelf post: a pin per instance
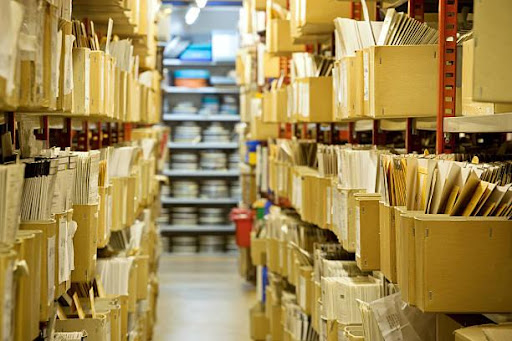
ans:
(447, 69)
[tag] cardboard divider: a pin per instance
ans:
(28, 246)
(367, 231)
(85, 242)
(47, 256)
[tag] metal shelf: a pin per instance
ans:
(200, 118)
(197, 228)
(179, 62)
(200, 91)
(498, 123)
(203, 145)
(202, 173)
(199, 201)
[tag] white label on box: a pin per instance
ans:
(7, 309)
(358, 232)
(63, 249)
(366, 68)
(51, 269)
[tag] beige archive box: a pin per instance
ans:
(104, 215)
(350, 93)
(304, 290)
(110, 85)
(260, 130)
(463, 264)
(110, 306)
(314, 99)
(7, 285)
(317, 17)
(142, 276)
(259, 322)
(61, 286)
(470, 107)
(97, 328)
(132, 287)
(97, 83)
(385, 78)
(118, 202)
(485, 332)
(348, 212)
(85, 242)
(387, 241)
(65, 97)
(367, 231)
(47, 256)
(491, 69)
(28, 247)
(279, 38)
(258, 250)
(81, 81)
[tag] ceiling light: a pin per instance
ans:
(192, 14)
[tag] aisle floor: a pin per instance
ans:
(202, 297)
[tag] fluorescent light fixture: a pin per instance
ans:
(201, 3)
(192, 14)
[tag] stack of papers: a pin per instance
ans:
(114, 273)
(370, 326)
(400, 29)
(38, 189)
(120, 164)
(351, 35)
(358, 168)
(11, 185)
(86, 178)
(296, 321)
(64, 182)
(327, 160)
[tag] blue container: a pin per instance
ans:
(192, 73)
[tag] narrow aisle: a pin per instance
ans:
(202, 297)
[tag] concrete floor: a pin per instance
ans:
(202, 298)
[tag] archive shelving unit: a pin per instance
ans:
(172, 95)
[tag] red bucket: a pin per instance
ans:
(243, 219)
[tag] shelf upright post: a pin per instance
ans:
(352, 137)
(45, 136)
(11, 126)
(68, 135)
(447, 70)
(99, 126)
(127, 131)
(416, 10)
(86, 139)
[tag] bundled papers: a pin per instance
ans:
(86, 178)
(64, 182)
(114, 274)
(400, 29)
(38, 189)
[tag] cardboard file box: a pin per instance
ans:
(104, 215)
(273, 255)
(279, 37)
(131, 198)
(385, 78)
(276, 328)
(271, 66)
(387, 241)
(97, 83)
(85, 242)
(132, 288)
(280, 103)
(142, 262)
(304, 290)
(109, 81)
(97, 328)
(470, 107)
(28, 247)
(65, 97)
(48, 261)
(61, 285)
(463, 264)
(259, 322)
(317, 17)
(315, 99)
(367, 232)
(351, 88)
(283, 258)
(485, 332)
(268, 114)
(260, 130)
(109, 306)
(121, 88)
(7, 262)
(81, 81)
(258, 250)
(348, 218)
(118, 202)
